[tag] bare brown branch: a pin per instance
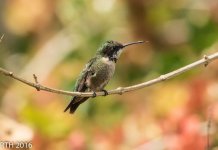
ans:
(204, 61)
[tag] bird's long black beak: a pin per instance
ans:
(132, 43)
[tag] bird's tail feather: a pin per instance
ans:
(74, 104)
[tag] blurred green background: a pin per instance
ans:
(55, 39)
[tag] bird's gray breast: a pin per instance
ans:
(102, 71)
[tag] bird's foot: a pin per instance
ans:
(94, 95)
(105, 92)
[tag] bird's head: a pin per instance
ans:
(113, 49)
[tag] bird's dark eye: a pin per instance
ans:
(92, 73)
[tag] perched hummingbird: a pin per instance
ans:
(97, 72)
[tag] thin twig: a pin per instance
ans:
(35, 78)
(119, 90)
(2, 38)
(36, 82)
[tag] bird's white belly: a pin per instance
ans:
(108, 71)
(105, 70)
(110, 65)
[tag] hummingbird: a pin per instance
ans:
(97, 72)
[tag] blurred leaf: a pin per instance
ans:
(204, 36)
(46, 122)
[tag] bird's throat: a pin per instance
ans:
(109, 60)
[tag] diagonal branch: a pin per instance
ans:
(204, 61)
